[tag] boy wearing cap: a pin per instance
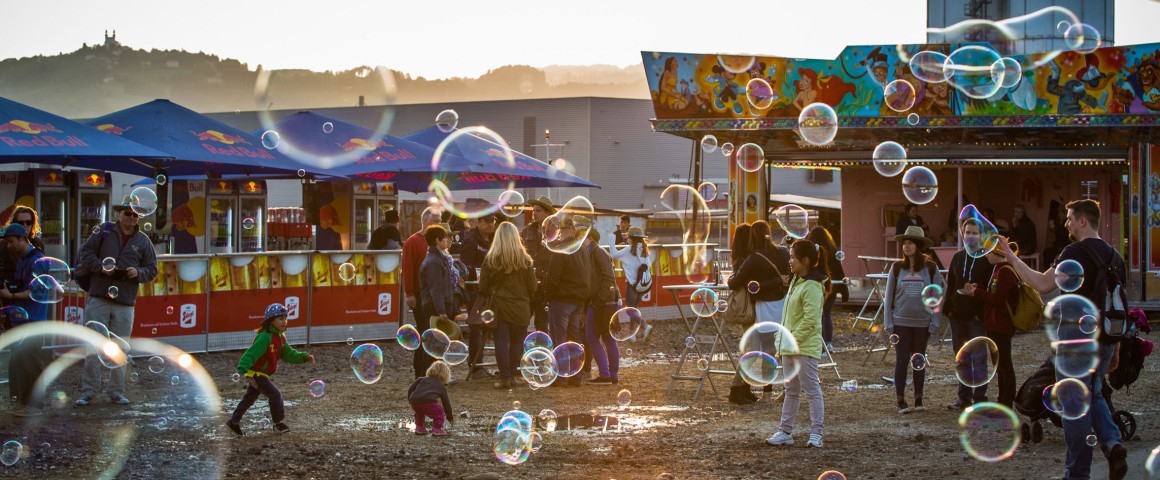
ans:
(28, 359)
(112, 293)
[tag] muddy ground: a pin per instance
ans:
(365, 431)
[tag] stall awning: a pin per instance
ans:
(804, 201)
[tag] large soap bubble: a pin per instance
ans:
(54, 267)
(703, 302)
(989, 431)
(565, 230)
(774, 340)
(367, 363)
(979, 235)
(537, 339)
(758, 368)
(1070, 398)
(899, 95)
(750, 157)
(685, 202)
(1063, 318)
(435, 343)
(929, 66)
(759, 93)
(538, 367)
(569, 358)
(408, 337)
(625, 323)
(1069, 275)
(45, 289)
(456, 353)
(794, 219)
(818, 124)
(447, 120)
(1082, 37)
(976, 361)
(465, 139)
(143, 201)
(512, 446)
(970, 68)
(919, 185)
(1006, 72)
(889, 159)
(1076, 358)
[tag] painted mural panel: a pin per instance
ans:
(1111, 80)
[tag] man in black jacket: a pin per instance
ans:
(387, 236)
(477, 241)
(567, 291)
(965, 311)
(533, 240)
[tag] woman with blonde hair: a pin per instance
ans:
(507, 276)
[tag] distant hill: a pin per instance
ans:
(99, 79)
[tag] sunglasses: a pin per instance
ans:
(27, 223)
(129, 213)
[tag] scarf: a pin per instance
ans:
(454, 271)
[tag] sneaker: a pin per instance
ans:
(1117, 462)
(815, 441)
(479, 373)
(502, 384)
(439, 432)
(119, 399)
(903, 408)
(234, 427)
(281, 427)
(85, 400)
(780, 438)
(644, 334)
(956, 406)
(421, 430)
(918, 404)
(601, 381)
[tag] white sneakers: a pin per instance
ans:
(780, 438)
(784, 439)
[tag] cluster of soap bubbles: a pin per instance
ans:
(516, 437)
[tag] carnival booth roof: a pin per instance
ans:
(31, 135)
(201, 145)
(490, 169)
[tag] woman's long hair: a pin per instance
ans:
(34, 230)
(507, 252)
(759, 236)
(822, 237)
(916, 262)
(633, 242)
(812, 254)
(742, 245)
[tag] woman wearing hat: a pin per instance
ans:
(632, 257)
(907, 317)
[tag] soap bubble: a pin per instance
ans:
(919, 185)
(143, 201)
(624, 398)
(702, 364)
(628, 352)
(750, 157)
(722, 306)
(703, 302)
(45, 289)
(513, 203)
(759, 93)
(447, 120)
(893, 339)
(512, 446)
(736, 63)
(989, 431)
(1062, 318)
(1091, 440)
(794, 219)
(889, 159)
(327, 127)
(350, 340)
(1082, 37)
(408, 337)
(161, 179)
(236, 377)
(970, 69)
(565, 230)
(839, 255)
(435, 342)
(912, 119)
(456, 353)
(537, 442)
(708, 143)
(818, 124)
(932, 297)
(146, 227)
(12, 452)
(1069, 275)
(976, 361)
(248, 223)
(271, 139)
(537, 339)
(625, 323)
(753, 287)
(569, 358)
(1070, 398)
(918, 362)
(54, 267)
(538, 367)
(929, 66)
(1062, 26)
(1087, 324)
(516, 405)
(831, 475)
(113, 291)
(708, 191)
(317, 388)
(1076, 358)
(547, 419)
(500, 155)
(979, 235)
(301, 173)
(156, 364)
(899, 95)
(346, 272)
(367, 363)
(1152, 465)
(690, 341)
(1006, 72)
(727, 149)
(175, 380)
(773, 340)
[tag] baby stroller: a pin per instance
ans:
(1030, 403)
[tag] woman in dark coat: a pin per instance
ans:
(507, 276)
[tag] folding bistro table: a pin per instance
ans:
(712, 340)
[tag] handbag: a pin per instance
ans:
(481, 304)
(742, 308)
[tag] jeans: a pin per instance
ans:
(963, 331)
(428, 409)
(601, 347)
(422, 323)
(805, 381)
(911, 340)
(509, 344)
(1078, 462)
(828, 319)
(1006, 370)
(267, 388)
(564, 320)
(631, 297)
(118, 318)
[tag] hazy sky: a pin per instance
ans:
(439, 39)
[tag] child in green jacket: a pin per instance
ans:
(260, 361)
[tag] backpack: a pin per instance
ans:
(81, 272)
(643, 279)
(1132, 354)
(1115, 301)
(1028, 306)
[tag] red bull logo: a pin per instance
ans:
(24, 126)
(113, 129)
(219, 137)
(53, 178)
(363, 144)
(95, 180)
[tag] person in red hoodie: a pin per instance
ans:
(998, 301)
(414, 251)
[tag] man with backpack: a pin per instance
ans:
(1105, 276)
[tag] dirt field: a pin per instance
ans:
(363, 431)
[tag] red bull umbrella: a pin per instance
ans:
(489, 166)
(31, 135)
(201, 145)
(337, 148)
